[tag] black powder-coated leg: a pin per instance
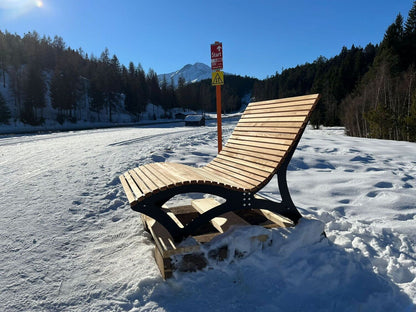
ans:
(235, 200)
(154, 211)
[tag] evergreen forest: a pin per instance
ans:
(371, 90)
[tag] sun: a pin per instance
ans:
(39, 3)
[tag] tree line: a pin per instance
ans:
(384, 103)
(333, 78)
(79, 86)
(371, 91)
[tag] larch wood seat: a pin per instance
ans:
(261, 146)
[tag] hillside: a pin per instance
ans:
(190, 73)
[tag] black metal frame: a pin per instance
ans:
(235, 200)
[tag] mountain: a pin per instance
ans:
(191, 73)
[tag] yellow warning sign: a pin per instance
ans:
(217, 78)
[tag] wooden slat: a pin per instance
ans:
(205, 238)
(243, 155)
(221, 172)
(260, 114)
(263, 130)
(188, 173)
(256, 167)
(228, 181)
(257, 156)
(133, 186)
(173, 217)
(277, 219)
(153, 177)
(177, 180)
(217, 180)
(164, 241)
(163, 175)
(288, 100)
(270, 119)
(174, 174)
(261, 134)
(143, 187)
(235, 172)
(149, 183)
(260, 150)
(130, 196)
(202, 176)
(223, 222)
(184, 172)
(181, 171)
(279, 147)
(262, 139)
(274, 108)
(282, 105)
(266, 125)
(242, 169)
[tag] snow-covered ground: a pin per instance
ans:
(70, 242)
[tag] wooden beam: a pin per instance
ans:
(222, 223)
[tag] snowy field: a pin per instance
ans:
(70, 242)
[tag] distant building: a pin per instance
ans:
(180, 116)
(195, 120)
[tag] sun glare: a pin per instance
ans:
(12, 9)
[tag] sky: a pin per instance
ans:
(259, 38)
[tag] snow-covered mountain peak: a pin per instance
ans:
(191, 73)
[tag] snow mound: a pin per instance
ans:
(294, 269)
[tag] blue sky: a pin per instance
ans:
(259, 37)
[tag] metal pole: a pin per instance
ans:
(219, 125)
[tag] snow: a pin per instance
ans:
(191, 73)
(70, 242)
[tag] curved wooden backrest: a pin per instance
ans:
(263, 138)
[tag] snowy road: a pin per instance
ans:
(69, 241)
(59, 191)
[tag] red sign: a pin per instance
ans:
(216, 56)
(216, 64)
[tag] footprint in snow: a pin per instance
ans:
(372, 194)
(344, 201)
(405, 217)
(366, 159)
(407, 178)
(384, 185)
(373, 169)
(158, 158)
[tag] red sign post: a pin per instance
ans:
(216, 56)
(217, 65)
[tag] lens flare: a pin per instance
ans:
(13, 9)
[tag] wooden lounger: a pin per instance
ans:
(260, 147)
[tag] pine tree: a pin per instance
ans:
(143, 92)
(4, 111)
(114, 87)
(154, 88)
(3, 57)
(181, 93)
(410, 25)
(34, 90)
(409, 48)
(130, 89)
